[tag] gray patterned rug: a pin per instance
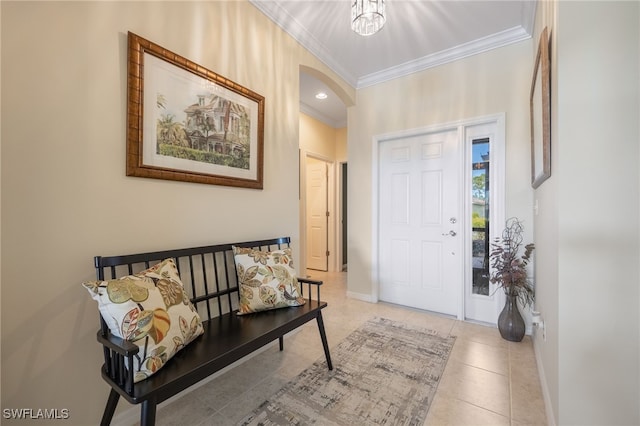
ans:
(385, 372)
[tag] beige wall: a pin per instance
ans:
(586, 232)
(494, 82)
(321, 139)
(546, 231)
(587, 252)
(598, 247)
(65, 196)
(341, 144)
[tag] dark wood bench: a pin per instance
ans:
(227, 337)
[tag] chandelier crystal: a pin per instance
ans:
(367, 16)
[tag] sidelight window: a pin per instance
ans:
(480, 216)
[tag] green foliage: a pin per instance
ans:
(204, 156)
(479, 185)
(170, 132)
(477, 221)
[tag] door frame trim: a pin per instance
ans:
(331, 195)
(497, 169)
(497, 199)
(340, 215)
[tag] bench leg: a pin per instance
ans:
(110, 408)
(323, 337)
(148, 413)
(281, 340)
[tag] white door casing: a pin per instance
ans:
(317, 214)
(467, 130)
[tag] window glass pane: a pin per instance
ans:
(480, 216)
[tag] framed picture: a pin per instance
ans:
(190, 124)
(541, 114)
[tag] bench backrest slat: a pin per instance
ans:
(226, 274)
(215, 279)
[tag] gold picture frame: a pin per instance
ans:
(540, 111)
(187, 123)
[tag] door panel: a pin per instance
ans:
(432, 256)
(419, 260)
(432, 190)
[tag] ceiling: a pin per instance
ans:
(418, 34)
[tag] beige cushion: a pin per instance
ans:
(267, 280)
(150, 309)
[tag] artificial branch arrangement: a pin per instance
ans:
(509, 267)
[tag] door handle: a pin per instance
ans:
(452, 233)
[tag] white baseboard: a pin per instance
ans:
(551, 421)
(361, 296)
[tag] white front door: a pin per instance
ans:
(419, 236)
(317, 215)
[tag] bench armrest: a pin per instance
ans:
(309, 283)
(116, 344)
(118, 357)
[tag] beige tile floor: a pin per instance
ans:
(487, 380)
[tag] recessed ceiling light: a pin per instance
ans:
(321, 95)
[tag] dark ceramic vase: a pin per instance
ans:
(510, 322)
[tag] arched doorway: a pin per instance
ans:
(323, 137)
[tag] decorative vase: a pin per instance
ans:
(510, 322)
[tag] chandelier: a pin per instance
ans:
(367, 16)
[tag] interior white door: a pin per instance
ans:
(420, 259)
(317, 214)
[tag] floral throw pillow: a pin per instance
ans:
(151, 310)
(267, 280)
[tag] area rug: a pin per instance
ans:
(385, 373)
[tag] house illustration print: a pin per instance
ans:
(215, 130)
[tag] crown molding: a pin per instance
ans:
(494, 41)
(292, 26)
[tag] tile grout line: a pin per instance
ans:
(464, 401)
